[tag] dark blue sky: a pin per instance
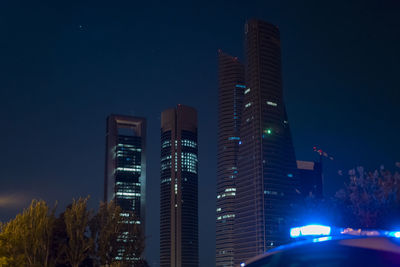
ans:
(65, 65)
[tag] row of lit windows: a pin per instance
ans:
(128, 194)
(166, 165)
(128, 198)
(166, 157)
(267, 192)
(129, 147)
(184, 142)
(189, 162)
(131, 222)
(166, 180)
(189, 143)
(226, 216)
(127, 184)
(226, 195)
(166, 143)
(128, 157)
(128, 189)
(230, 190)
(134, 169)
(274, 193)
(225, 251)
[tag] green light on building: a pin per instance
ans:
(268, 131)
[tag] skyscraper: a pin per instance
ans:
(266, 181)
(310, 177)
(230, 98)
(125, 170)
(179, 193)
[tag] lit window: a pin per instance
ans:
(272, 103)
(227, 216)
(230, 190)
(240, 86)
(226, 195)
(247, 105)
(166, 180)
(166, 143)
(189, 162)
(189, 143)
(247, 91)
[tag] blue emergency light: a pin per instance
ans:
(310, 230)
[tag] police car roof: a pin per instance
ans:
(379, 242)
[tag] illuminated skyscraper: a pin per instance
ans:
(230, 98)
(266, 181)
(125, 171)
(179, 245)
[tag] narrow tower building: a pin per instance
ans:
(231, 88)
(125, 170)
(179, 245)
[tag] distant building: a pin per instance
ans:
(125, 170)
(266, 182)
(230, 99)
(310, 177)
(179, 245)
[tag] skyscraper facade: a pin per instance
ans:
(179, 192)
(125, 168)
(266, 181)
(310, 178)
(230, 98)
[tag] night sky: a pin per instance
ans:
(65, 66)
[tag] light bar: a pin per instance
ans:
(312, 229)
(394, 234)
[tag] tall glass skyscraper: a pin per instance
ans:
(179, 245)
(230, 98)
(266, 181)
(125, 170)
